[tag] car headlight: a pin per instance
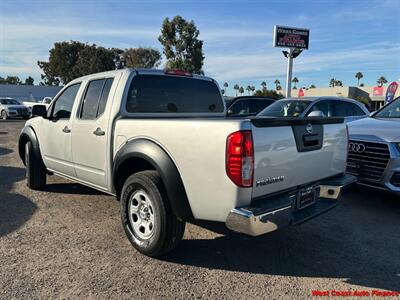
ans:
(397, 146)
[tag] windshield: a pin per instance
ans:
(285, 108)
(391, 110)
(9, 102)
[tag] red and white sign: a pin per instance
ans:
(378, 91)
(301, 93)
(391, 91)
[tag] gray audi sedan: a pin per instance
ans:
(11, 108)
(374, 149)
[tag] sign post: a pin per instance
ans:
(297, 40)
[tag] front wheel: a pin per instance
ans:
(35, 169)
(4, 115)
(147, 217)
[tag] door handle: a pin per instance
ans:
(99, 132)
(66, 129)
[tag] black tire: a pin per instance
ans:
(4, 115)
(35, 169)
(167, 231)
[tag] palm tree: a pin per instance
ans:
(241, 91)
(339, 83)
(381, 81)
(359, 75)
(248, 89)
(253, 88)
(226, 86)
(312, 86)
(264, 85)
(236, 88)
(277, 83)
(332, 82)
(295, 81)
(278, 87)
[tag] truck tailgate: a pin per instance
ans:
(290, 152)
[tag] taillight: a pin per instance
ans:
(178, 73)
(240, 158)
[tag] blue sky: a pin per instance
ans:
(346, 36)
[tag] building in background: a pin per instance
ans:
(28, 92)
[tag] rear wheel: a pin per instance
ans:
(147, 217)
(35, 169)
(4, 115)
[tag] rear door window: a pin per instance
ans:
(173, 94)
(342, 109)
(95, 98)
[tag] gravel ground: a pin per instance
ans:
(67, 242)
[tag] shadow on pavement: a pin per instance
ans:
(15, 209)
(70, 188)
(5, 151)
(3, 132)
(345, 244)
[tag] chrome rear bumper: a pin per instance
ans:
(260, 218)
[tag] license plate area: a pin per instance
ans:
(306, 197)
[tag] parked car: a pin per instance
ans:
(11, 108)
(317, 106)
(247, 105)
(162, 144)
(374, 149)
(45, 101)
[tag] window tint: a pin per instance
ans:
(95, 98)
(342, 109)
(240, 108)
(104, 96)
(357, 111)
(63, 105)
(321, 106)
(285, 108)
(259, 105)
(173, 94)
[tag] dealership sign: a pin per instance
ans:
(290, 37)
(391, 91)
(377, 91)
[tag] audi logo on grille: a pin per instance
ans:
(357, 147)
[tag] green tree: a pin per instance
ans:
(29, 81)
(332, 82)
(241, 90)
(248, 89)
(252, 88)
(263, 85)
(268, 93)
(277, 83)
(226, 86)
(182, 47)
(142, 57)
(278, 87)
(361, 84)
(338, 83)
(312, 86)
(359, 75)
(12, 80)
(236, 88)
(223, 91)
(69, 60)
(381, 81)
(295, 81)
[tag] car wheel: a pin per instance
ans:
(4, 115)
(147, 217)
(35, 169)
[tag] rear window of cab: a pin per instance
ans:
(173, 94)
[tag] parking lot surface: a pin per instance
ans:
(67, 242)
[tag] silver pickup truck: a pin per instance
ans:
(161, 143)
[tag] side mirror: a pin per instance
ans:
(39, 110)
(316, 113)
